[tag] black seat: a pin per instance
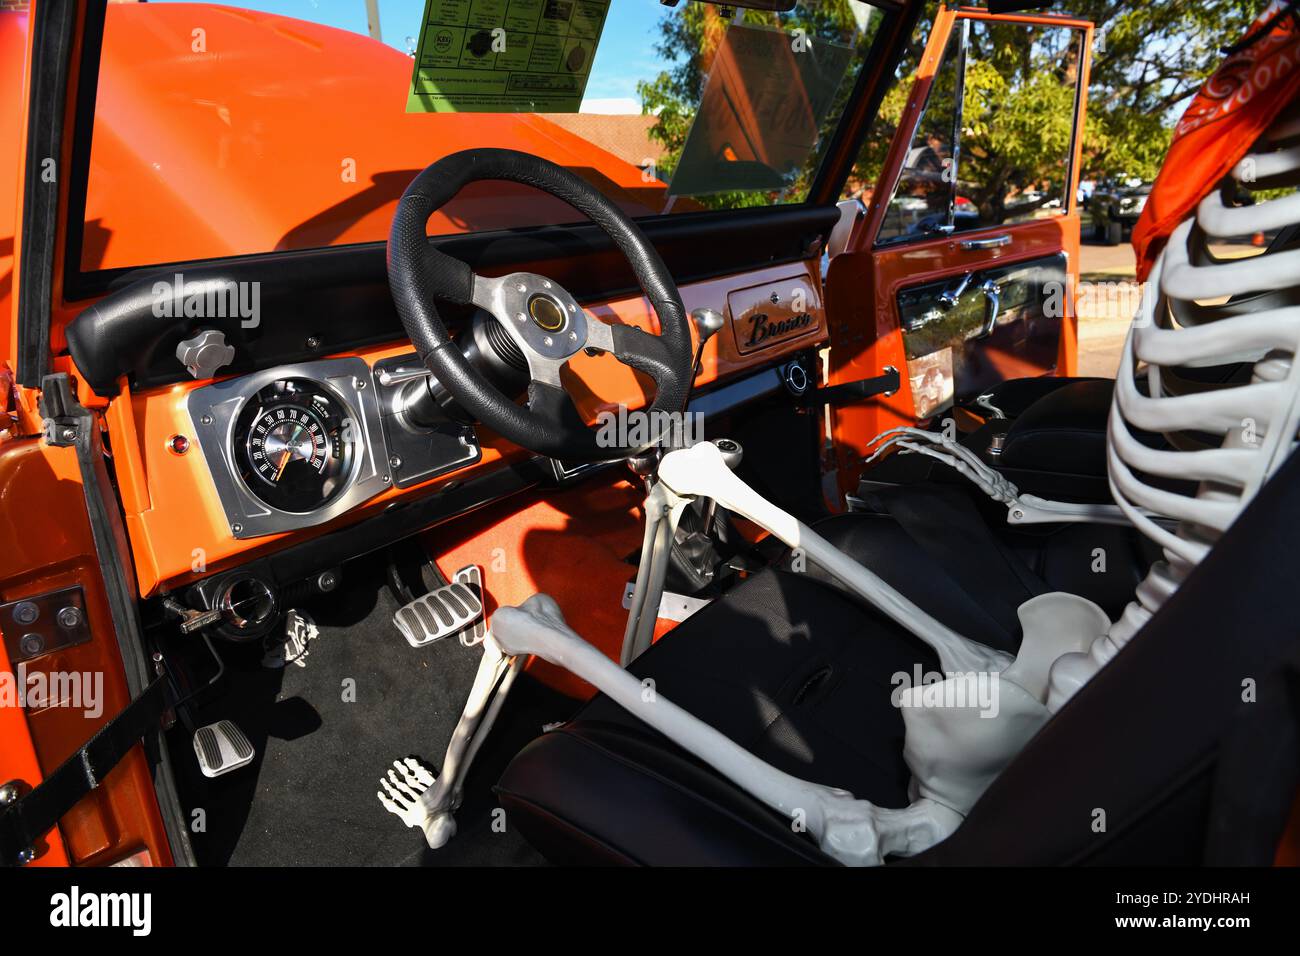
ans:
(802, 675)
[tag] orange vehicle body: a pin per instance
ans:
(332, 176)
(342, 189)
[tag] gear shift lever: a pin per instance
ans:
(708, 322)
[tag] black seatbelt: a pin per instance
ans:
(26, 819)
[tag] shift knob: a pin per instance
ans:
(731, 452)
(707, 323)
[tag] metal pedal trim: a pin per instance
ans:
(221, 748)
(455, 608)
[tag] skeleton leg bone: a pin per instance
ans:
(431, 809)
(851, 830)
(700, 472)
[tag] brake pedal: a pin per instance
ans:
(221, 748)
(455, 608)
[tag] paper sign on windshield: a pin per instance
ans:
(505, 56)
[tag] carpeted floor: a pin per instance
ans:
(326, 732)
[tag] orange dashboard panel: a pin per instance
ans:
(174, 512)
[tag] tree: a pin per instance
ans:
(1149, 58)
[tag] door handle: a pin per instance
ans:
(948, 298)
(994, 296)
(990, 242)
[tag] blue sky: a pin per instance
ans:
(626, 53)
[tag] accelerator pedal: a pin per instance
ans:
(455, 608)
(221, 748)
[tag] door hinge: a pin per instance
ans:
(62, 415)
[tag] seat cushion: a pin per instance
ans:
(1062, 432)
(800, 673)
(788, 668)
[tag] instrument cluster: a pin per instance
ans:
(296, 446)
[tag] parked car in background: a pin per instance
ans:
(1115, 207)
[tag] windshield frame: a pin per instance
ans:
(874, 76)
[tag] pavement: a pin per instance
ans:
(1108, 297)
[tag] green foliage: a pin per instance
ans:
(1148, 60)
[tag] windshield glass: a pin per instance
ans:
(285, 124)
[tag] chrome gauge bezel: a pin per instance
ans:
(316, 402)
(214, 410)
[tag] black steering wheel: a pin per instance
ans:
(541, 318)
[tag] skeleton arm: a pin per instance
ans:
(1021, 508)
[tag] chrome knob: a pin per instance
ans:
(708, 322)
(732, 453)
(205, 353)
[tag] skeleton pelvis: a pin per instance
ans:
(962, 730)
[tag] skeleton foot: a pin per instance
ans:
(422, 800)
(403, 794)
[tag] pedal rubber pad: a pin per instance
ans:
(444, 611)
(221, 748)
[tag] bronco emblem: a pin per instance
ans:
(763, 330)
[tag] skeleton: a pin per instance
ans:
(955, 752)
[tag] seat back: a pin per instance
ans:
(1125, 772)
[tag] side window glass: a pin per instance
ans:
(1017, 124)
(920, 200)
(1005, 158)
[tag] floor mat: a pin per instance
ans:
(327, 731)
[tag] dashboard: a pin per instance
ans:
(220, 474)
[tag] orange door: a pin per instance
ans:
(71, 657)
(961, 273)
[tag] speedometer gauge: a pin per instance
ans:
(293, 445)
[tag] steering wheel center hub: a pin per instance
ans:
(544, 320)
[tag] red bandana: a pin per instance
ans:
(1220, 126)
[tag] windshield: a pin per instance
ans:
(273, 125)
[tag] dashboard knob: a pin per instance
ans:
(707, 323)
(205, 353)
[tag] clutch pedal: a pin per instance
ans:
(221, 748)
(455, 608)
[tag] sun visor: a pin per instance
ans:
(505, 56)
(763, 105)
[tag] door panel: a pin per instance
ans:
(975, 198)
(966, 334)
